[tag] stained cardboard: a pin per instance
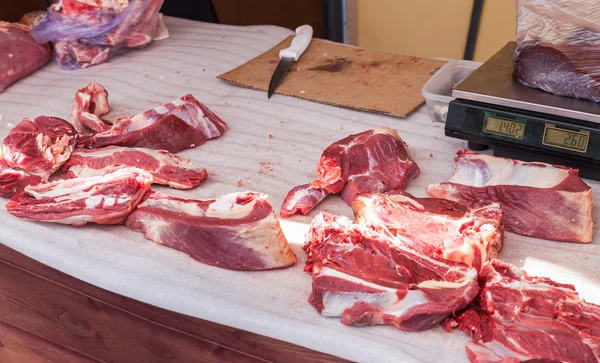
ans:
(342, 75)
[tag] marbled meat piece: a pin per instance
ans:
(436, 227)
(90, 103)
(178, 125)
(104, 199)
(537, 199)
(237, 231)
(166, 168)
(40, 146)
(367, 276)
(522, 318)
(372, 161)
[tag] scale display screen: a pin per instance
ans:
(566, 139)
(504, 127)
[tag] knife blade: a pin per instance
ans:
(289, 55)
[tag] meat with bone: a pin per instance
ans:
(538, 200)
(166, 168)
(236, 231)
(525, 318)
(90, 102)
(104, 199)
(13, 181)
(372, 161)
(40, 146)
(367, 276)
(175, 126)
(436, 227)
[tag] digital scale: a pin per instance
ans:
(493, 109)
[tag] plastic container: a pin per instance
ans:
(438, 89)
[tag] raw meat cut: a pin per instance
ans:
(104, 199)
(372, 161)
(88, 32)
(13, 181)
(302, 199)
(367, 276)
(537, 199)
(20, 55)
(236, 231)
(40, 146)
(175, 126)
(90, 102)
(166, 168)
(436, 227)
(559, 47)
(521, 318)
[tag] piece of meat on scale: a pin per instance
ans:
(371, 161)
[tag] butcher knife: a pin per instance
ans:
(289, 55)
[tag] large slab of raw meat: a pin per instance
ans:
(175, 126)
(538, 200)
(236, 231)
(166, 168)
(526, 318)
(367, 276)
(371, 161)
(437, 227)
(104, 199)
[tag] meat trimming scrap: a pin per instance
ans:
(91, 102)
(175, 126)
(522, 318)
(437, 227)
(104, 199)
(538, 200)
(371, 161)
(166, 168)
(237, 231)
(367, 276)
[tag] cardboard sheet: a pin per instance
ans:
(342, 75)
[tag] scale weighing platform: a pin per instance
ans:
(493, 109)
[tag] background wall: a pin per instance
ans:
(431, 28)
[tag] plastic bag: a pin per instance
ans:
(90, 32)
(559, 46)
(20, 55)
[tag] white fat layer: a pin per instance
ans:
(298, 195)
(82, 188)
(335, 303)
(222, 207)
(501, 171)
(161, 109)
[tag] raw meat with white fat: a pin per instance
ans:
(237, 231)
(367, 276)
(90, 103)
(166, 168)
(372, 161)
(178, 125)
(104, 199)
(436, 227)
(538, 200)
(525, 318)
(40, 146)
(13, 181)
